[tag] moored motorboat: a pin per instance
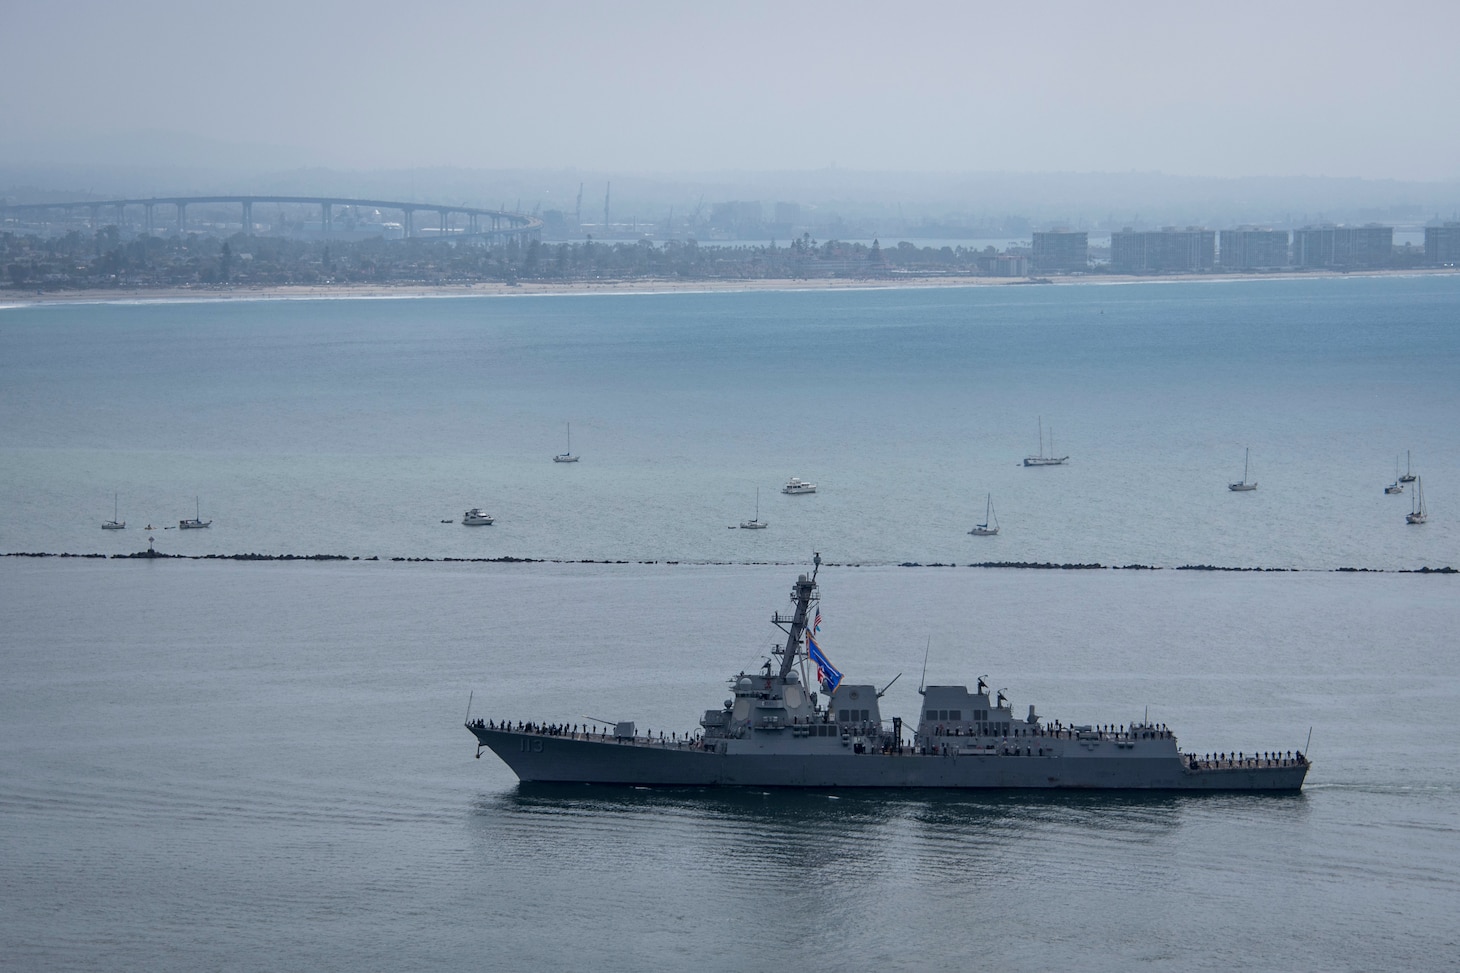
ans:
(798, 485)
(476, 517)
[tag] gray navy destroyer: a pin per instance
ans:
(775, 731)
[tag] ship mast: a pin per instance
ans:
(801, 594)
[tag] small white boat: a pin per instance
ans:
(1042, 459)
(1398, 485)
(476, 517)
(1408, 476)
(196, 521)
(567, 455)
(756, 523)
(114, 523)
(798, 485)
(1242, 486)
(1419, 514)
(990, 525)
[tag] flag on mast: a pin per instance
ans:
(826, 673)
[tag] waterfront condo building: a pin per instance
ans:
(1168, 250)
(1442, 245)
(1061, 252)
(1344, 247)
(1250, 248)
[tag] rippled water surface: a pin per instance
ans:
(356, 427)
(261, 765)
(243, 766)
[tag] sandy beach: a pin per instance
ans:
(638, 285)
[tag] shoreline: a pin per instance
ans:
(318, 292)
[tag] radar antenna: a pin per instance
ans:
(922, 680)
(883, 691)
(801, 595)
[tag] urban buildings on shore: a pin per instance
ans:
(1168, 250)
(1061, 252)
(1252, 248)
(1442, 245)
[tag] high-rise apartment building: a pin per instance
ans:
(1344, 247)
(1249, 248)
(1061, 252)
(1442, 245)
(1166, 250)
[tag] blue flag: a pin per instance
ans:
(826, 673)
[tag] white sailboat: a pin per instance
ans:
(1419, 514)
(196, 521)
(567, 455)
(990, 525)
(1044, 459)
(1398, 485)
(114, 523)
(1241, 486)
(1408, 476)
(756, 523)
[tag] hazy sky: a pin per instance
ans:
(1222, 89)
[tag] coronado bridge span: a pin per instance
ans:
(455, 221)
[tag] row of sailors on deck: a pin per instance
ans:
(569, 730)
(1059, 731)
(1290, 758)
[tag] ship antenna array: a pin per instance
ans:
(922, 680)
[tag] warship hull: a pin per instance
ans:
(776, 730)
(546, 758)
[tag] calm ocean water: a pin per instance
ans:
(224, 765)
(355, 427)
(262, 766)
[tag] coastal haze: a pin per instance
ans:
(1344, 89)
(724, 247)
(1138, 114)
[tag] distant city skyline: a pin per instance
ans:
(1336, 90)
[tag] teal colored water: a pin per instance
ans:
(221, 765)
(355, 427)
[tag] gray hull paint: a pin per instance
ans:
(543, 758)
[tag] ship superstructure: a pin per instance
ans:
(797, 723)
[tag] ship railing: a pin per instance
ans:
(1245, 761)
